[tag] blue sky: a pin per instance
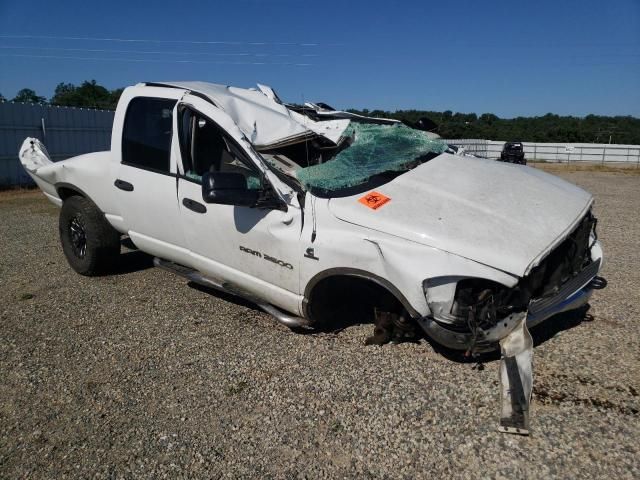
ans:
(508, 57)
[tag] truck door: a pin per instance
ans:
(255, 249)
(146, 179)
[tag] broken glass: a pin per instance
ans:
(374, 149)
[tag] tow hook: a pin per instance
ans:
(598, 283)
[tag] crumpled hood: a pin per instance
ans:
(502, 215)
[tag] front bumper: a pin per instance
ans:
(572, 295)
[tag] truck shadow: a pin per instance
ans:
(130, 262)
(560, 323)
(135, 260)
(347, 316)
(131, 259)
(227, 297)
(540, 334)
(543, 332)
(548, 329)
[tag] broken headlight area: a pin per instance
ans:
(482, 310)
(475, 307)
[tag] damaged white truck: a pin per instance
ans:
(301, 208)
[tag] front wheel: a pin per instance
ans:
(89, 242)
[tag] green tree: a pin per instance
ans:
(2, 99)
(88, 95)
(488, 118)
(26, 95)
(64, 95)
(548, 128)
(115, 96)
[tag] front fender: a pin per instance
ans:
(399, 265)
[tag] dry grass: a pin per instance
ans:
(13, 192)
(630, 169)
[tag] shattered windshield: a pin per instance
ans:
(374, 149)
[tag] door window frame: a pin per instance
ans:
(185, 153)
(124, 127)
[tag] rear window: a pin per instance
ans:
(146, 137)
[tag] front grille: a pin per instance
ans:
(569, 287)
(564, 262)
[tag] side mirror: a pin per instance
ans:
(228, 188)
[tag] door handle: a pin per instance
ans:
(193, 205)
(122, 185)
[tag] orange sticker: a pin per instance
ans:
(374, 200)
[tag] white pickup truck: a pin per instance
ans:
(302, 209)
(307, 211)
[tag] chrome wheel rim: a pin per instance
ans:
(78, 237)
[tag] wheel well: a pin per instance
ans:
(342, 300)
(66, 192)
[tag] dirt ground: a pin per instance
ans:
(139, 374)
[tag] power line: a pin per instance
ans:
(146, 40)
(146, 52)
(143, 60)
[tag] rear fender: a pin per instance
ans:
(89, 175)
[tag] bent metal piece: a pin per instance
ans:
(516, 379)
(286, 319)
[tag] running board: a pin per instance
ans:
(284, 318)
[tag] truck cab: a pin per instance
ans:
(171, 149)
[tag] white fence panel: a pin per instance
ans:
(557, 152)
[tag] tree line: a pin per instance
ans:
(89, 94)
(546, 128)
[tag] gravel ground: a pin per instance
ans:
(139, 374)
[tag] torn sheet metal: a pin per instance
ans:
(331, 113)
(269, 92)
(33, 155)
(331, 129)
(261, 116)
(516, 379)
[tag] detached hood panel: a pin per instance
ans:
(501, 215)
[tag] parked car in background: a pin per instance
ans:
(513, 152)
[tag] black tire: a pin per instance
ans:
(89, 242)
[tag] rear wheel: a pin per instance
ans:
(89, 242)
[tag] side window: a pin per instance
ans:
(206, 148)
(146, 137)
